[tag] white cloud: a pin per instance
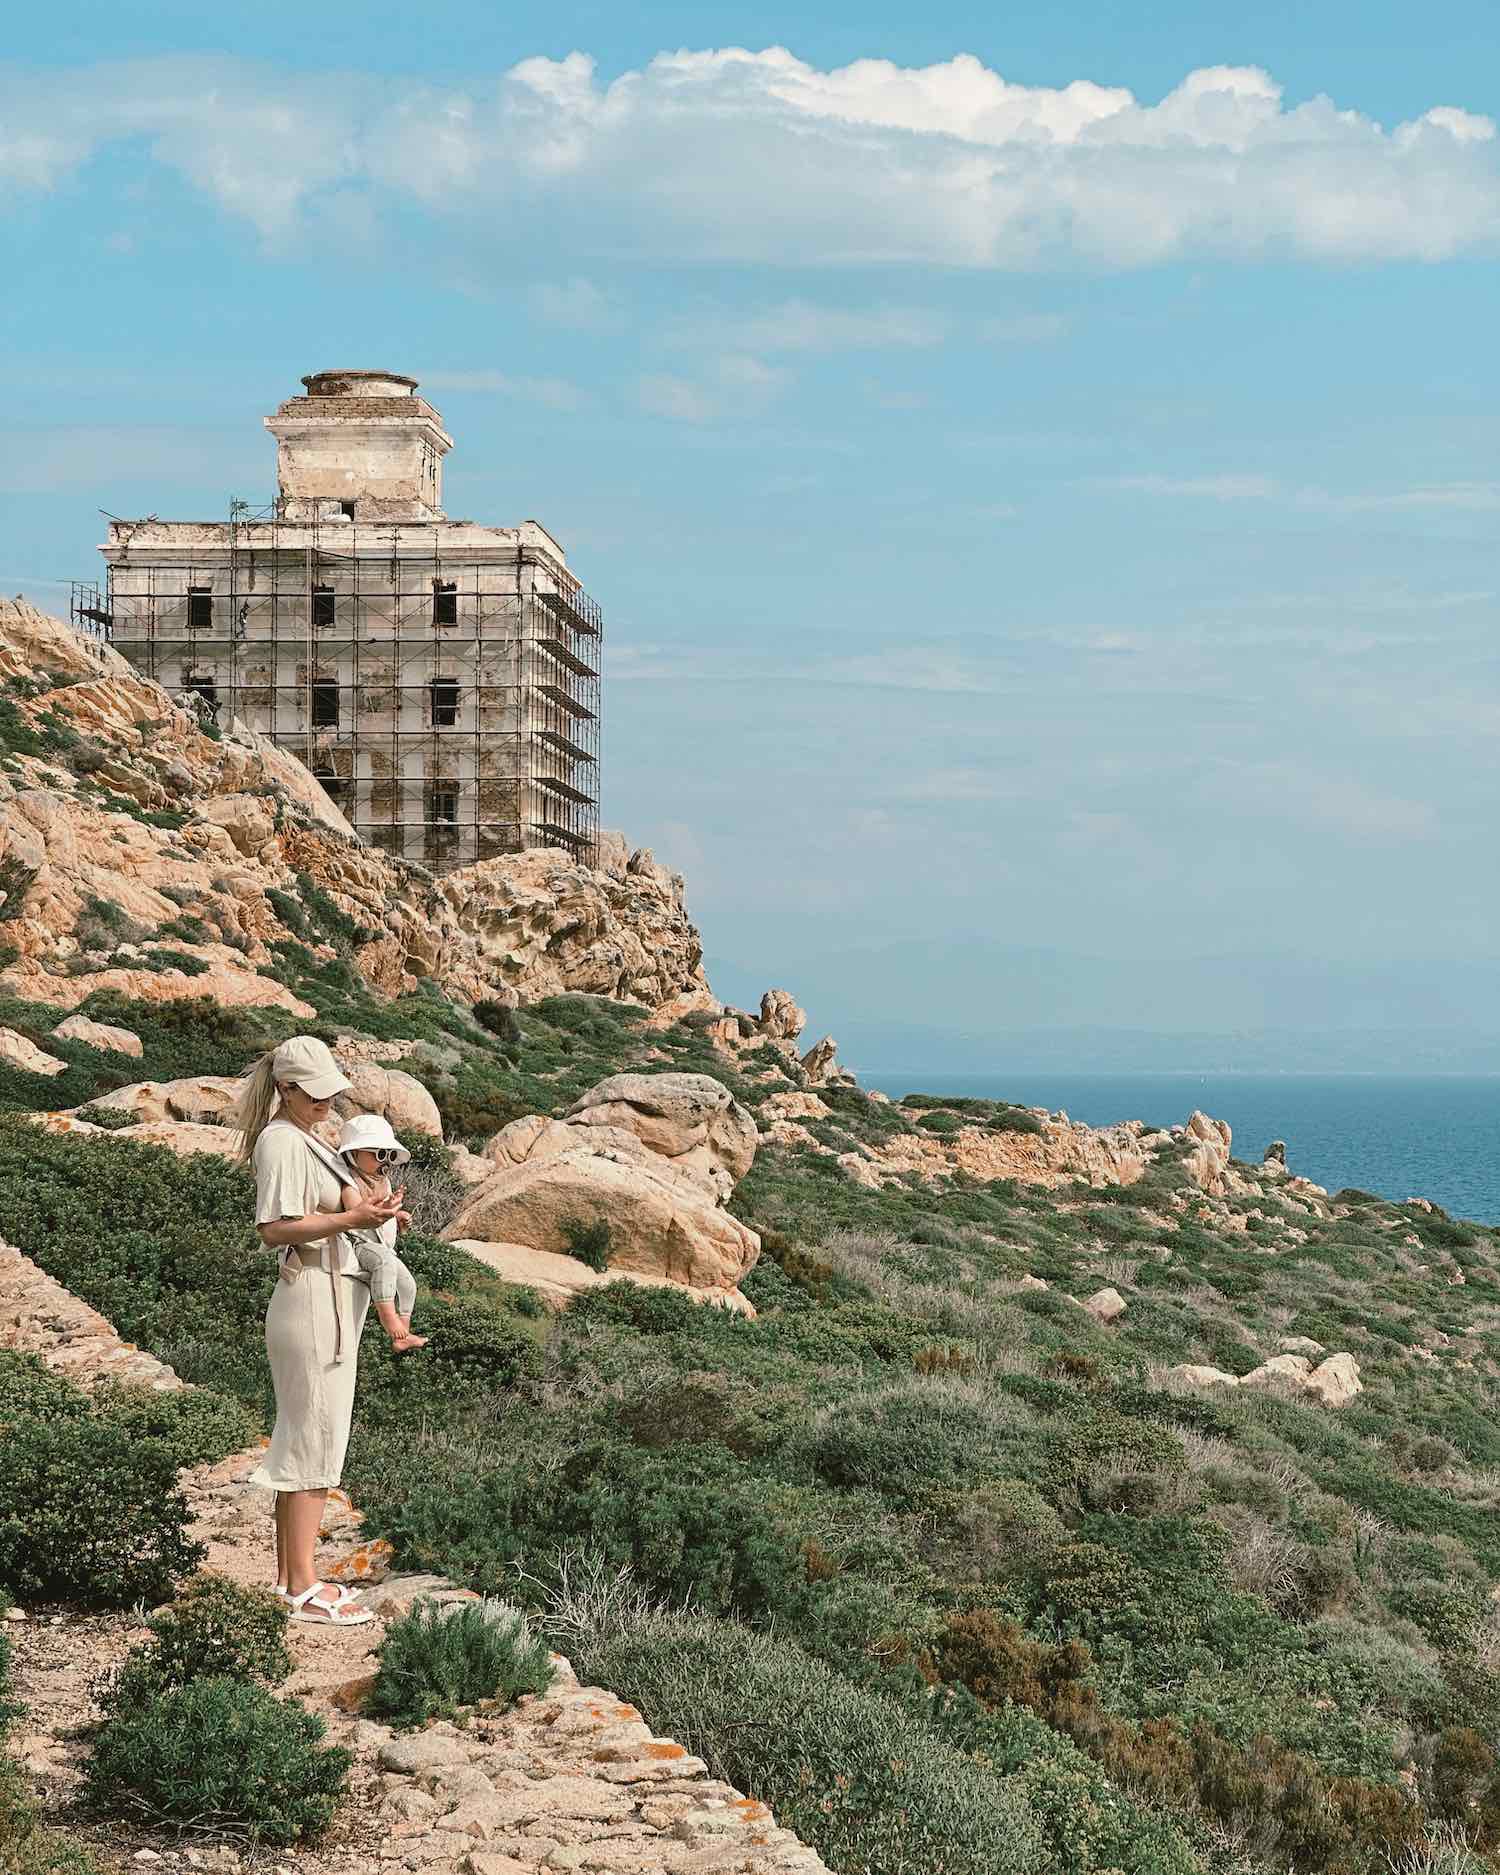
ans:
(663, 394)
(577, 304)
(556, 393)
(1024, 329)
(1205, 487)
(1466, 497)
(746, 156)
(800, 326)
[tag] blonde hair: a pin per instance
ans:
(256, 1104)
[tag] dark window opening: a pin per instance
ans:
(325, 703)
(444, 693)
(445, 602)
(200, 608)
(322, 605)
(204, 687)
(336, 787)
(445, 806)
(348, 510)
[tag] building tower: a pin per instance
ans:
(440, 678)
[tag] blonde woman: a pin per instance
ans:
(317, 1313)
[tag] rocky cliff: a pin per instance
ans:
(130, 831)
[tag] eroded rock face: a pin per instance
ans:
(398, 1096)
(101, 1035)
(256, 822)
(655, 1156)
(542, 925)
(691, 1119)
(1333, 1383)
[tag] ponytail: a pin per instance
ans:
(254, 1107)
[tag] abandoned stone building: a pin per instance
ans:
(441, 678)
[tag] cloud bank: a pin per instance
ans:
(759, 157)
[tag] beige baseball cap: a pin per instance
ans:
(310, 1063)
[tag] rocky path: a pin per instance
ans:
(569, 1780)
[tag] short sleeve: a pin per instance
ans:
(284, 1185)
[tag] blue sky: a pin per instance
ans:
(1039, 470)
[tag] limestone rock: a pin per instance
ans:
(533, 1136)
(1301, 1344)
(17, 1052)
(661, 1223)
(205, 1099)
(820, 1060)
(1207, 1164)
(101, 1035)
(1336, 1381)
(545, 925)
(1195, 1376)
(793, 1105)
(780, 1016)
(399, 1096)
(181, 1137)
(690, 1119)
(1108, 1305)
(1287, 1370)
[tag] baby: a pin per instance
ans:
(368, 1146)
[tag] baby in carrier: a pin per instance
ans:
(369, 1149)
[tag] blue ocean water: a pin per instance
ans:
(1433, 1136)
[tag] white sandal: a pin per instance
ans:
(346, 1594)
(334, 1614)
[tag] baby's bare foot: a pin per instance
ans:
(401, 1344)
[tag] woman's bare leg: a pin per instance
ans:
(281, 1539)
(303, 1514)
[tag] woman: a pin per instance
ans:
(317, 1314)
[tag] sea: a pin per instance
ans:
(1429, 1136)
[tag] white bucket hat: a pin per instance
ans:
(370, 1130)
(310, 1064)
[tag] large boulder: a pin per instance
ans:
(557, 1279)
(399, 1097)
(780, 1016)
(101, 1035)
(203, 1099)
(16, 1051)
(654, 1156)
(690, 1119)
(1207, 1161)
(660, 1223)
(1336, 1381)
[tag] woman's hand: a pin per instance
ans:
(403, 1220)
(369, 1213)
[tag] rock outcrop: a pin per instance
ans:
(1334, 1382)
(653, 1157)
(125, 801)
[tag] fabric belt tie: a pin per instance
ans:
(308, 1258)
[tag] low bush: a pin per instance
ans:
(856, 1774)
(218, 1753)
(197, 1425)
(437, 1659)
(90, 1514)
(217, 1629)
(588, 1240)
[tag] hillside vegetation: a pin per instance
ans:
(939, 1553)
(924, 1555)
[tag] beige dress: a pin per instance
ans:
(313, 1324)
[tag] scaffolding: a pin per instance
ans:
(441, 681)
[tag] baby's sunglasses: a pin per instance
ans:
(385, 1155)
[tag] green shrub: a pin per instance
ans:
(90, 1514)
(857, 1775)
(16, 880)
(438, 1659)
(218, 1753)
(217, 1629)
(197, 1425)
(110, 1118)
(587, 1240)
(476, 1353)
